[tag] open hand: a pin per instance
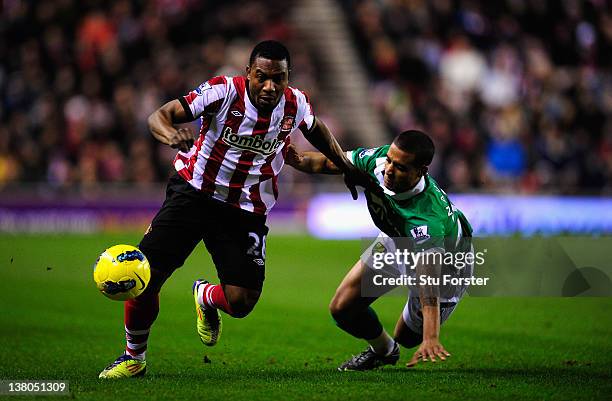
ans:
(429, 350)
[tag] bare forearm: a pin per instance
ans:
(429, 294)
(431, 322)
(318, 163)
(321, 138)
(160, 125)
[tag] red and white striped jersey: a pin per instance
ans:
(240, 150)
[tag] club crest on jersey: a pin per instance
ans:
(420, 234)
(254, 143)
(202, 88)
(366, 152)
(378, 247)
(287, 124)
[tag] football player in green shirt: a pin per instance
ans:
(412, 206)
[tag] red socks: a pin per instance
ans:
(212, 296)
(140, 313)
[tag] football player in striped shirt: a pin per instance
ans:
(225, 184)
(412, 207)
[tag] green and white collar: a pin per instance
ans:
(417, 189)
(379, 173)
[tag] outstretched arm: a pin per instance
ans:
(161, 124)
(429, 295)
(310, 162)
(321, 138)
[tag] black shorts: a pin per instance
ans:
(234, 237)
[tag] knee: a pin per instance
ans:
(242, 302)
(157, 280)
(339, 307)
(347, 301)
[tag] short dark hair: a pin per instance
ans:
(272, 50)
(418, 143)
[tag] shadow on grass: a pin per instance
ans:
(562, 377)
(389, 384)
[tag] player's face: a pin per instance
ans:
(268, 80)
(400, 172)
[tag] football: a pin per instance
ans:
(122, 272)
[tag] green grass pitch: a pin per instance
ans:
(55, 325)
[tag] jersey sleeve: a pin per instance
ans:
(305, 114)
(365, 159)
(206, 98)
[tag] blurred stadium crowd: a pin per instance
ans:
(517, 94)
(79, 80)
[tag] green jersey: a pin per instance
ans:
(423, 213)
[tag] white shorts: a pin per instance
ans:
(412, 313)
(385, 244)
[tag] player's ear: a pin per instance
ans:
(248, 69)
(424, 170)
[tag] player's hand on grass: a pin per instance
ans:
(182, 139)
(428, 351)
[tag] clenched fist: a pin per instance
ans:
(182, 140)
